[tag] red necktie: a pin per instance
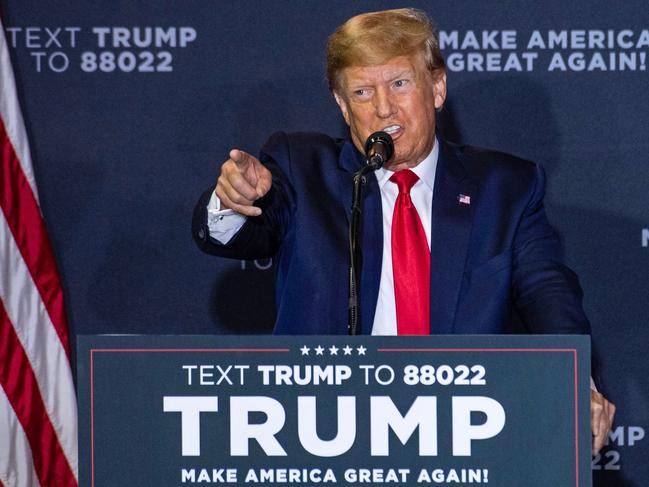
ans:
(410, 261)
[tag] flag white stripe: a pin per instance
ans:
(12, 116)
(16, 464)
(42, 346)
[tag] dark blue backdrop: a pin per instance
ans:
(121, 154)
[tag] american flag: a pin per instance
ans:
(464, 199)
(38, 412)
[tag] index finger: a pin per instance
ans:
(241, 158)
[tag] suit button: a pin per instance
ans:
(201, 234)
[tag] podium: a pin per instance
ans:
(506, 410)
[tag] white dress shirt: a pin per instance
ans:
(421, 194)
(222, 224)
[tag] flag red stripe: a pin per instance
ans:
(20, 386)
(24, 219)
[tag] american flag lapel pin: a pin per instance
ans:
(464, 199)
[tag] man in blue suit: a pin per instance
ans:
(490, 253)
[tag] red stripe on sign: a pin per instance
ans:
(26, 224)
(499, 350)
(576, 422)
(187, 350)
(19, 383)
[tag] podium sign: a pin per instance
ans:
(334, 410)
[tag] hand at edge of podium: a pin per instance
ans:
(602, 413)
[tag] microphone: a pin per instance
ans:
(379, 149)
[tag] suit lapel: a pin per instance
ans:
(349, 162)
(372, 249)
(452, 217)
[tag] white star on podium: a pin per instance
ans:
(348, 350)
(361, 350)
(318, 350)
(305, 350)
(333, 350)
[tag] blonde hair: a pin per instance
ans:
(374, 38)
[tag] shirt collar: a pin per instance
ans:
(425, 170)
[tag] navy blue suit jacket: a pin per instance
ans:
(490, 259)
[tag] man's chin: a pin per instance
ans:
(398, 165)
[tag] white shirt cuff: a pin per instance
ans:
(222, 224)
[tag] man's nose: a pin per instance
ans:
(384, 103)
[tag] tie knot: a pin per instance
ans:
(404, 179)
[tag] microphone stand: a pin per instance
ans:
(354, 243)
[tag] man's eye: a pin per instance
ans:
(400, 83)
(359, 92)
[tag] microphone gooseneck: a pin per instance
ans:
(379, 149)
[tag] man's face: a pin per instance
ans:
(398, 97)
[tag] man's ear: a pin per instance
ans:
(342, 104)
(439, 88)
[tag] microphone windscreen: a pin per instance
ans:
(379, 143)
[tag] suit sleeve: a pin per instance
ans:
(546, 293)
(260, 237)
